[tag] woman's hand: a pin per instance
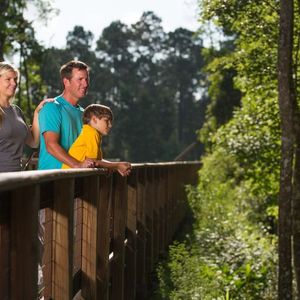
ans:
(33, 139)
(42, 103)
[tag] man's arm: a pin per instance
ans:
(55, 149)
(33, 139)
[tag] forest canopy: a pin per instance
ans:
(151, 79)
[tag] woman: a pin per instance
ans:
(14, 132)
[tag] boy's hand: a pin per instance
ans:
(124, 168)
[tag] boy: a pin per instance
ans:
(97, 121)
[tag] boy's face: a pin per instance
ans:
(102, 125)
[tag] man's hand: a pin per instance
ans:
(87, 163)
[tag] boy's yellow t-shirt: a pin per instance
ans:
(87, 145)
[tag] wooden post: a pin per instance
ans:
(162, 196)
(24, 242)
(89, 237)
(169, 205)
(131, 247)
(156, 216)
(5, 246)
(58, 257)
(77, 241)
(162, 214)
(141, 236)
(149, 219)
(103, 237)
(119, 215)
(77, 256)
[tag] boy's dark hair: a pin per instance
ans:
(98, 111)
(66, 69)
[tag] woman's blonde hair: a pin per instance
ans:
(4, 68)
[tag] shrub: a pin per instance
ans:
(227, 256)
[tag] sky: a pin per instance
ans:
(95, 15)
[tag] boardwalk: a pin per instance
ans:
(102, 233)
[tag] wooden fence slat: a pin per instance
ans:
(24, 243)
(103, 237)
(130, 250)
(77, 256)
(162, 195)
(119, 223)
(59, 242)
(169, 206)
(156, 227)
(48, 253)
(141, 236)
(149, 219)
(5, 246)
(89, 237)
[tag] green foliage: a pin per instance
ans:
(227, 256)
(224, 97)
(231, 253)
(252, 136)
(251, 54)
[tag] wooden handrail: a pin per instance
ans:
(102, 234)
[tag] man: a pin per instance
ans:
(61, 121)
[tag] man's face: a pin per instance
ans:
(78, 85)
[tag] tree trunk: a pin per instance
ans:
(285, 89)
(3, 31)
(296, 190)
(296, 211)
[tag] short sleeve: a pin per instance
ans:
(93, 143)
(50, 117)
(21, 115)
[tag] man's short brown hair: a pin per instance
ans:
(97, 110)
(66, 69)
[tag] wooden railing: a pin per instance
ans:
(102, 233)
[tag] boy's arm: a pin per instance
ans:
(122, 167)
(93, 142)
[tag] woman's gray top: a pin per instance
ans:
(13, 133)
